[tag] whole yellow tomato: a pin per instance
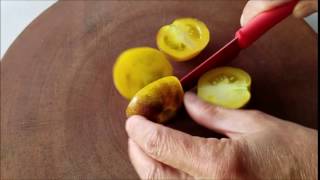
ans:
(137, 67)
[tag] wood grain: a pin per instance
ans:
(61, 116)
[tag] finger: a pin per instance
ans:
(305, 8)
(148, 168)
(193, 155)
(255, 7)
(229, 122)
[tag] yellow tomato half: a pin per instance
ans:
(158, 101)
(225, 86)
(137, 67)
(183, 39)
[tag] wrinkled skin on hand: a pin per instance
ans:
(255, 7)
(258, 146)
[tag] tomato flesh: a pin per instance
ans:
(225, 86)
(184, 39)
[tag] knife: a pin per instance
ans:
(244, 37)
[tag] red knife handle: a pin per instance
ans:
(262, 23)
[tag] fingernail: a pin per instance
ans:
(190, 97)
(133, 121)
(241, 21)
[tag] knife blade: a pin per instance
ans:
(244, 37)
(222, 56)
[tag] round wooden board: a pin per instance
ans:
(61, 116)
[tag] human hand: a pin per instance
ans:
(258, 146)
(255, 7)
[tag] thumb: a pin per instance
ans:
(229, 122)
(171, 148)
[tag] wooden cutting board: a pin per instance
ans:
(61, 116)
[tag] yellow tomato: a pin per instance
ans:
(137, 67)
(183, 39)
(225, 86)
(158, 101)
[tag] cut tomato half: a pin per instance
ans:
(184, 39)
(225, 86)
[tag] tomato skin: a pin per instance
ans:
(137, 67)
(225, 86)
(184, 39)
(158, 101)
